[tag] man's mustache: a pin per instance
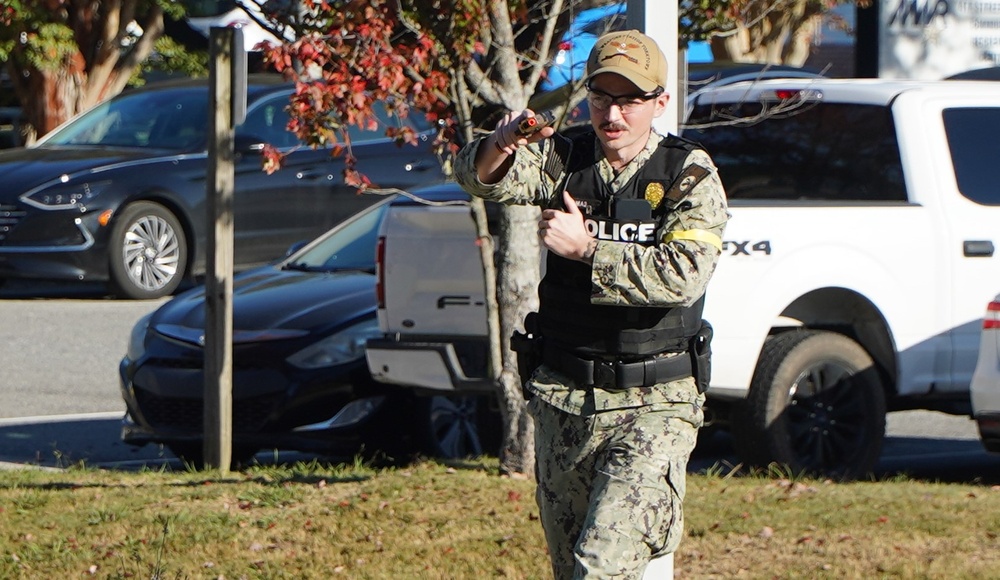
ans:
(613, 126)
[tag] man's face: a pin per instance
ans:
(624, 122)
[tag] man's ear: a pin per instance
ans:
(661, 104)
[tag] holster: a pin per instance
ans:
(701, 356)
(528, 347)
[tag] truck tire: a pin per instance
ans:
(456, 427)
(816, 405)
(147, 252)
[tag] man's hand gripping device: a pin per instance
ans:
(531, 125)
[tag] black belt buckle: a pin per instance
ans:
(604, 375)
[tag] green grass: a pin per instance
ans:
(431, 520)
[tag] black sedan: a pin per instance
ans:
(118, 194)
(300, 381)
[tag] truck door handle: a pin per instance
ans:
(977, 248)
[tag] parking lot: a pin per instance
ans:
(61, 404)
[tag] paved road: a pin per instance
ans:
(60, 353)
(59, 400)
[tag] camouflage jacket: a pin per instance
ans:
(674, 272)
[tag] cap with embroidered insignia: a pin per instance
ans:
(631, 54)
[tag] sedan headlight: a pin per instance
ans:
(63, 195)
(343, 347)
(137, 339)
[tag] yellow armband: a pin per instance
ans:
(696, 236)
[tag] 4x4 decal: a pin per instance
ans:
(746, 248)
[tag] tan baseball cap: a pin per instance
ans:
(631, 54)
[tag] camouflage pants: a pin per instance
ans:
(611, 485)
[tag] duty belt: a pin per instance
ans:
(618, 375)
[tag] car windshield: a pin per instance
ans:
(351, 246)
(177, 119)
(164, 119)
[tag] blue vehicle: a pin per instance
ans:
(571, 60)
(574, 47)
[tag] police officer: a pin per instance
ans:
(633, 223)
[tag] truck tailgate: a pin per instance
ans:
(429, 297)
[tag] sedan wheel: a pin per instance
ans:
(148, 252)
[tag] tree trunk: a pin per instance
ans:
(62, 93)
(517, 286)
(770, 33)
(75, 80)
(797, 51)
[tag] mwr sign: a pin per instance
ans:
(932, 39)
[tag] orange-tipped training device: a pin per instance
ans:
(532, 125)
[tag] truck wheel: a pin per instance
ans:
(452, 427)
(148, 252)
(816, 404)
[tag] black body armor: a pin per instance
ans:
(567, 319)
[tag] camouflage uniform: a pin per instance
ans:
(611, 463)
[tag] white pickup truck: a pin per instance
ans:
(855, 266)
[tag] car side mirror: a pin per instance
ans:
(244, 143)
(296, 247)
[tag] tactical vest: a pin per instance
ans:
(566, 316)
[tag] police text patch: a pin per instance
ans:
(638, 231)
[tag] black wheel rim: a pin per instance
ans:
(827, 417)
(454, 427)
